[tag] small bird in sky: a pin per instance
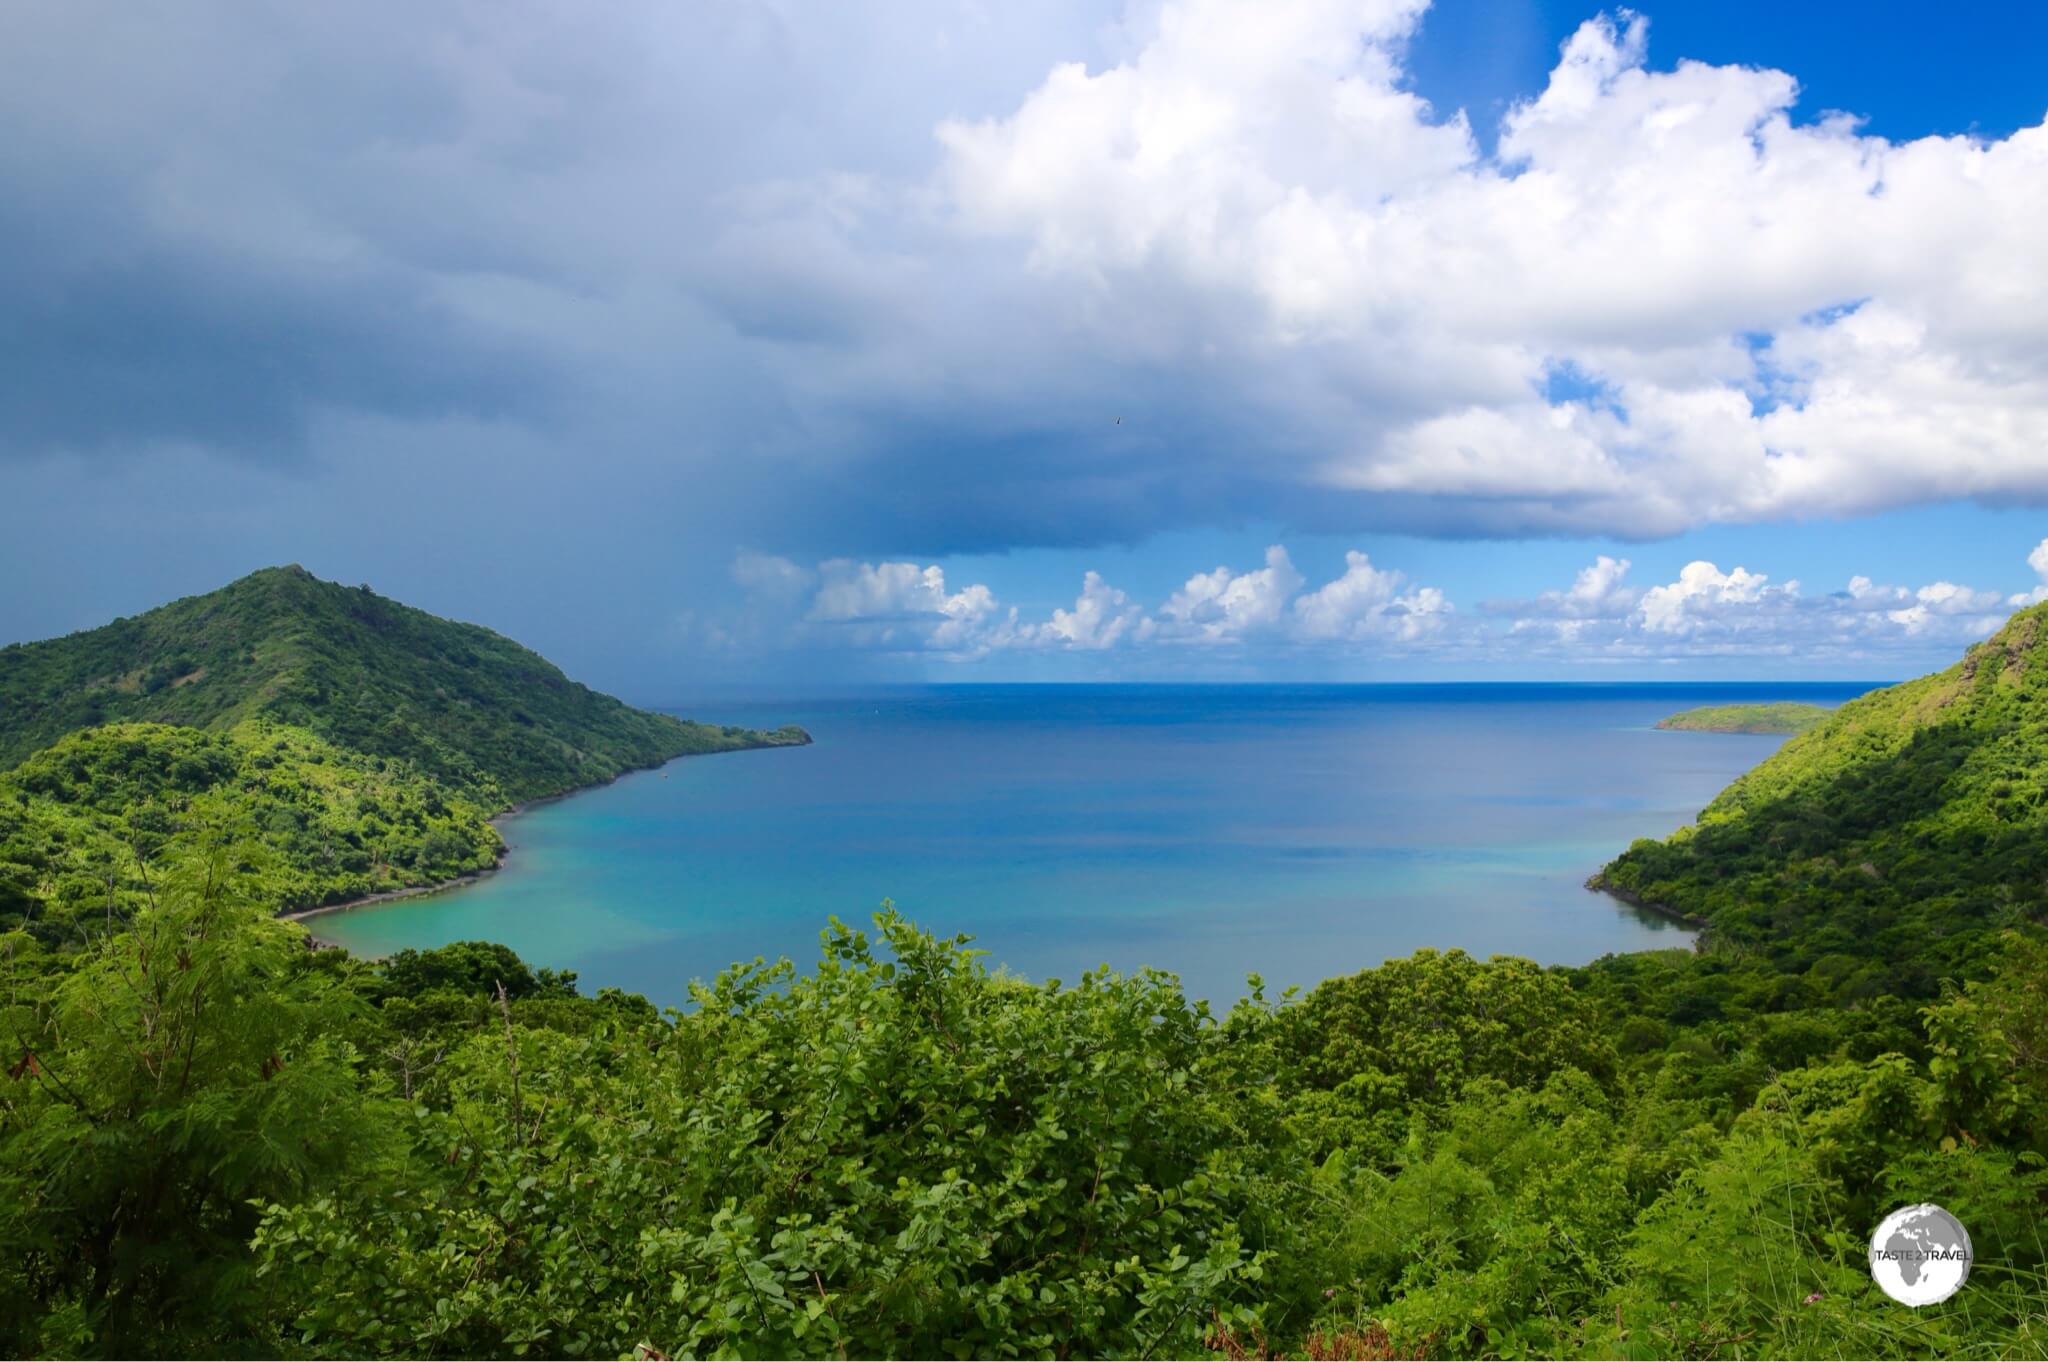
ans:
(1119, 420)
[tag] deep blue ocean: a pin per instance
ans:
(1296, 831)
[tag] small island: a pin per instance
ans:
(1783, 716)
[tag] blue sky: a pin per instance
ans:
(1907, 71)
(1331, 339)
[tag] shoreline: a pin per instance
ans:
(391, 895)
(496, 820)
(471, 877)
(1599, 884)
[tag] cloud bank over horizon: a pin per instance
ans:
(911, 610)
(859, 292)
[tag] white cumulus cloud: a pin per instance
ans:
(1781, 318)
(905, 607)
(1701, 592)
(1102, 616)
(1222, 604)
(1366, 611)
(1705, 611)
(1600, 591)
(1369, 602)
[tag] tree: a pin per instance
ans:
(181, 1071)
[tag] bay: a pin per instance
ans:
(1294, 831)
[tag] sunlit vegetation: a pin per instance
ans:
(82, 822)
(1782, 716)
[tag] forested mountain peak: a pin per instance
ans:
(357, 668)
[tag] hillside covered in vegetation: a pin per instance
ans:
(82, 821)
(463, 704)
(1886, 847)
(1782, 716)
(359, 745)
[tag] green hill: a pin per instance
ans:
(1878, 848)
(366, 673)
(1782, 716)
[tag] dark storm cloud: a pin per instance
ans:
(160, 344)
(221, 224)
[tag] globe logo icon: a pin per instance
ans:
(1920, 1255)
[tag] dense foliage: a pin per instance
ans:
(183, 1068)
(1780, 716)
(82, 821)
(1883, 850)
(215, 1141)
(463, 704)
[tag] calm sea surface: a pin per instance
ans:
(1297, 831)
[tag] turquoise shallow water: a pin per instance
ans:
(1296, 831)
